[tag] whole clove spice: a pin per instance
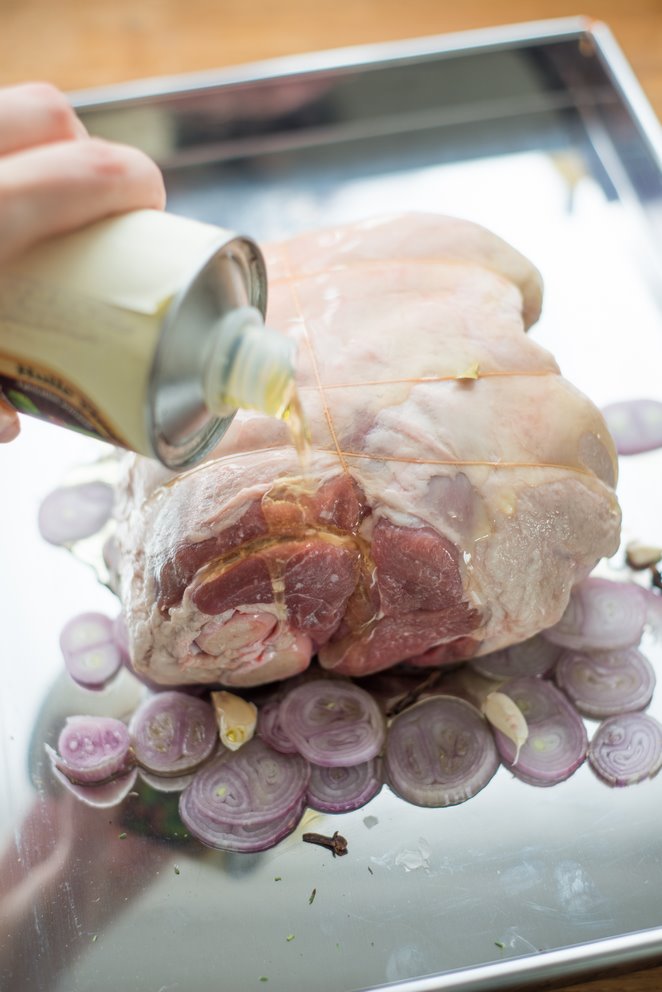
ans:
(336, 844)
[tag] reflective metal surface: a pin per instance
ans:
(540, 134)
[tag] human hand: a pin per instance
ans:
(55, 178)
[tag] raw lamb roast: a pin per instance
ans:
(458, 487)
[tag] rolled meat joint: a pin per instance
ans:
(458, 486)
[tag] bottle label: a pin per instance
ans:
(44, 393)
(81, 321)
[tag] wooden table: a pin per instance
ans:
(77, 44)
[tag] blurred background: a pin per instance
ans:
(78, 45)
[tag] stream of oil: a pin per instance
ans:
(295, 420)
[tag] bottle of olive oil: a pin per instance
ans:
(144, 330)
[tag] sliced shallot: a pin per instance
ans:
(537, 656)
(557, 741)
(601, 616)
(606, 683)
(102, 796)
(238, 838)
(93, 749)
(635, 425)
(440, 752)
(245, 800)
(627, 748)
(71, 513)
(91, 653)
(339, 790)
(270, 729)
(333, 722)
(173, 733)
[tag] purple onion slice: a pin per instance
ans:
(601, 616)
(606, 683)
(246, 800)
(90, 651)
(635, 425)
(102, 796)
(93, 749)
(536, 656)
(173, 733)
(71, 513)
(627, 748)
(440, 752)
(238, 838)
(339, 790)
(557, 741)
(270, 729)
(333, 722)
(252, 785)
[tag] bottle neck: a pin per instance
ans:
(249, 366)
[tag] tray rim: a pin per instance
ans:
(338, 61)
(592, 959)
(346, 58)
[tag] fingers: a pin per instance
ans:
(61, 186)
(35, 114)
(9, 422)
(52, 182)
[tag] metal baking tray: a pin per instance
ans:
(541, 133)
